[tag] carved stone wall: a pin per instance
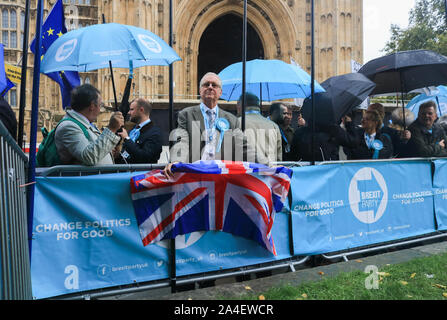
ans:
(283, 26)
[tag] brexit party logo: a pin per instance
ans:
(368, 195)
(150, 43)
(65, 50)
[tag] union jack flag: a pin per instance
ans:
(240, 198)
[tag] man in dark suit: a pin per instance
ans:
(205, 131)
(143, 143)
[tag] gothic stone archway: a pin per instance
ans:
(221, 45)
(271, 20)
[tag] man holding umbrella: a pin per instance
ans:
(143, 143)
(428, 139)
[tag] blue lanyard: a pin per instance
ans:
(283, 135)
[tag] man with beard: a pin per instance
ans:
(143, 143)
(281, 114)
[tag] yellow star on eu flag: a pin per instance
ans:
(50, 31)
(60, 34)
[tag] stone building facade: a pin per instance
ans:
(207, 35)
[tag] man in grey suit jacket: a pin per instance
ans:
(201, 136)
(72, 145)
(261, 133)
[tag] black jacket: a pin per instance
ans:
(8, 117)
(327, 140)
(424, 143)
(146, 149)
(399, 144)
(362, 151)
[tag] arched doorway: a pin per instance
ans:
(221, 45)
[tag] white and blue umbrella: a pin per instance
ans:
(437, 94)
(92, 47)
(268, 79)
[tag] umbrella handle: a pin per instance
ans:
(130, 69)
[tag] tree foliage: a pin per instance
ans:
(427, 29)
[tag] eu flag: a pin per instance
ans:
(53, 28)
(5, 83)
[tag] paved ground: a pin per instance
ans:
(225, 288)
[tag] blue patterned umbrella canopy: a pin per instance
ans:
(268, 79)
(438, 94)
(92, 48)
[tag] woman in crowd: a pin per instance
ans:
(372, 144)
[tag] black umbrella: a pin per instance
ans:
(343, 93)
(406, 70)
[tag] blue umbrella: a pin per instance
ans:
(268, 79)
(439, 95)
(92, 47)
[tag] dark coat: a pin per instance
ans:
(424, 143)
(362, 151)
(146, 149)
(327, 140)
(8, 118)
(399, 144)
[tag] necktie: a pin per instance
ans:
(211, 118)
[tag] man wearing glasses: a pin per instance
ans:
(201, 129)
(78, 141)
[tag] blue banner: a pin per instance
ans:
(85, 237)
(337, 207)
(440, 193)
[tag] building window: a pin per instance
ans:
(5, 18)
(22, 20)
(13, 39)
(10, 38)
(13, 20)
(5, 38)
(11, 97)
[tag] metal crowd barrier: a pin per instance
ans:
(15, 276)
(344, 254)
(289, 263)
(79, 170)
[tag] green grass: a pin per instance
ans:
(419, 279)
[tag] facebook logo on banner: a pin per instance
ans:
(235, 197)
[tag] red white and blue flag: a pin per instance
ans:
(240, 198)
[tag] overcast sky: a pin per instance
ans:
(378, 15)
